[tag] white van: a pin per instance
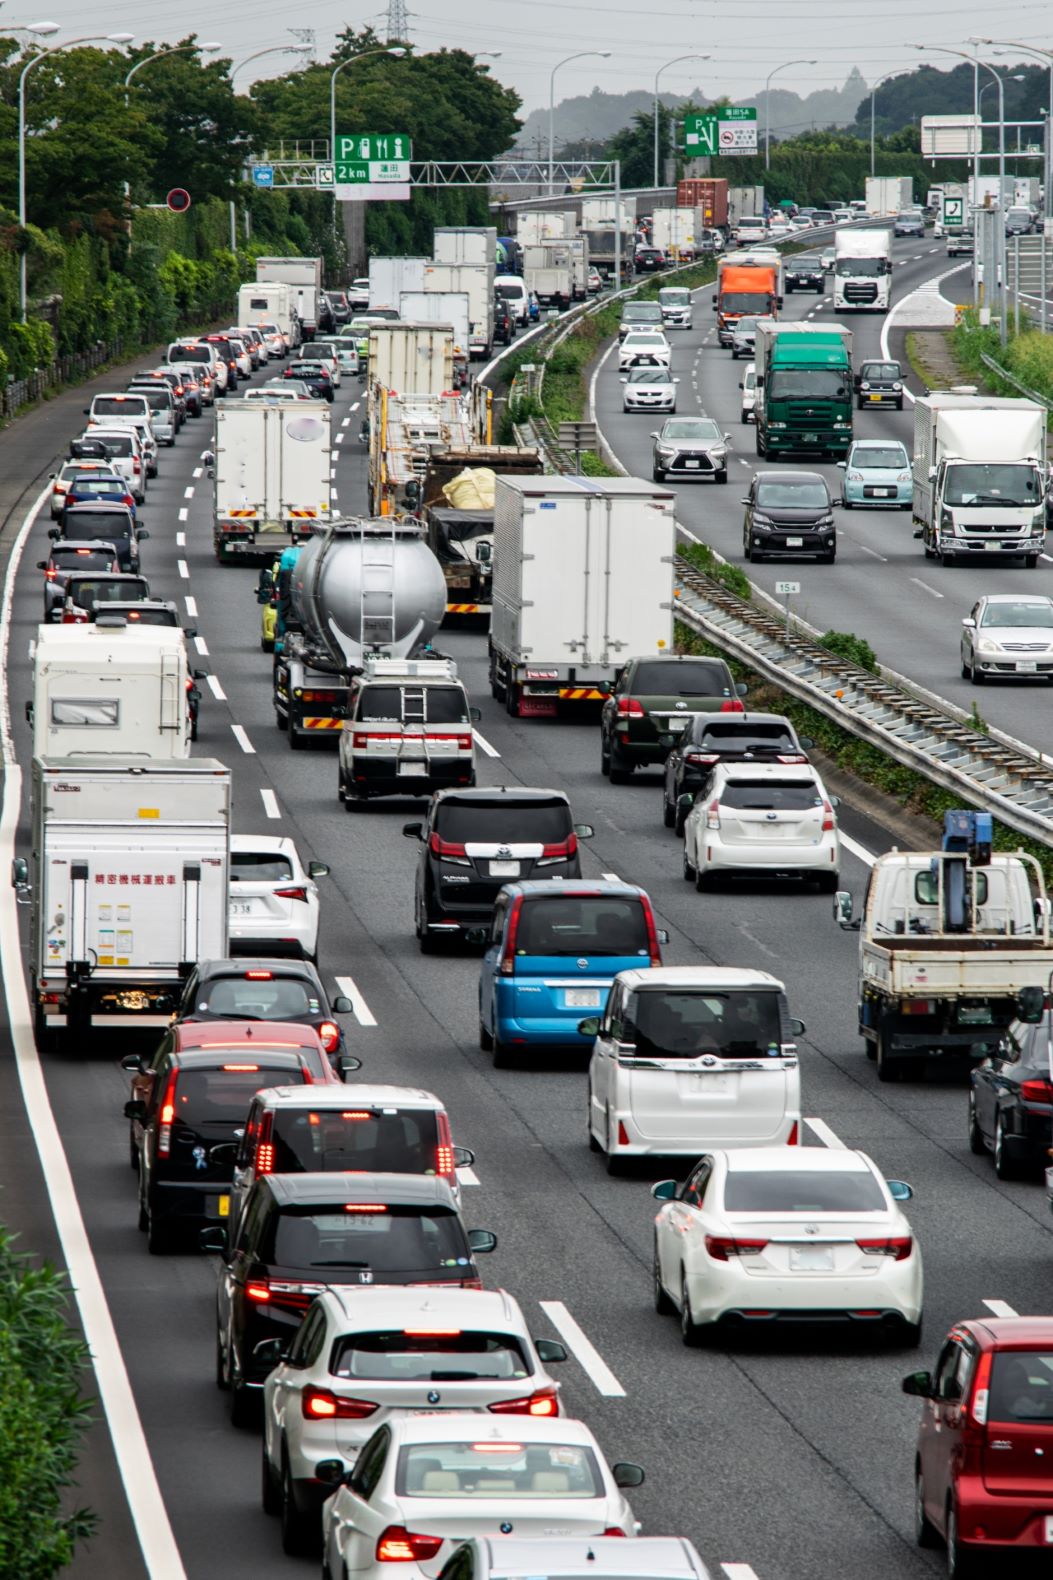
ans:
(124, 452)
(687, 1058)
(513, 288)
(192, 350)
(748, 386)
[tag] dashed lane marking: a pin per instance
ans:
(582, 1348)
(822, 1130)
(180, 540)
(202, 646)
(191, 605)
(183, 512)
(188, 492)
(362, 1012)
(215, 688)
(999, 1308)
(270, 803)
(481, 740)
(925, 586)
(243, 740)
(184, 569)
(198, 471)
(857, 850)
(340, 438)
(468, 1176)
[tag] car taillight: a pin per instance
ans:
(898, 1247)
(136, 464)
(508, 957)
(167, 1115)
(264, 1163)
(329, 1032)
(703, 759)
(652, 932)
(291, 894)
(50, 573)
(563, 852)
(544, 1402)
(259, 1290)
(794, 1138)
(397, 1545)
(1039, 1091)
(630, 708)
(733, 705)
(126, 499)
(612, 1530)
(320, 696)
(713, 814)
(444, 1149)
(981, 1387)
(447, 852)
(319, 1404)
(828, 818)
(722, 1247)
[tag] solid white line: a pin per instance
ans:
(481, 740)
(188, 492)
(890, 316)
(242, 739)
(148, 1512)
(183, 512)
(202, 646)
(582, 1348)
(999, 1308)
(180, 540)
(739, 1571)
(197, 472)
(931, 590)
(215, 688)
(270, 803)
(820, 1128)
(363, 1014)
(859, 851)
(191, 605)
(184, 569)
(468, 1176)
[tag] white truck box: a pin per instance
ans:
(983, 191)
(675, 230)
(271, 472)
(574, 249)
(389, 277)
(128, 883)
(887, 196)
(439, 307)
(411, 358)
(548, 271)
(743, 201)
(269, 302)
(604, 211)
(477, 281)
(294, 271)
(862, 271)
(110, 689)
(582, 581)
(465, 244)
(533, 225)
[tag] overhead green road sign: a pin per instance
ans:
(373, 147)
(732, 129)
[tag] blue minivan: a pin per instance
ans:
(554, 949)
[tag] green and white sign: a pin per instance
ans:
(731, 130)
(953, 212)
(374, 147)
(374, 165)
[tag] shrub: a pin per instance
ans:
(853, 649)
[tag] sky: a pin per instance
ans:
(746, 38)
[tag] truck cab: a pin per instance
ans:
(862, 271)
(408, 731)
(804, 388)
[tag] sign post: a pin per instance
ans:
(786, 591)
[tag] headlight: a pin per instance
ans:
(776, 425)
(897, 386)
(666, 449)
(946, 518)
(762, 522)
(987, 646)
(902, 477)
(864, 385)
(855, 477)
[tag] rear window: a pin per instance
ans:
(771, 795)
(157, 616)
(515, 1470)
(503, 822)
(581, 925)
(388, 1240)
(669, 1024)
(242, 998)
(223, 1095)
(106, 524)
(117, 405)
(396, 1356)
(1022, 1387)
(365, 1140)
(118, 444)
(701, 678)
(104, 487)
(158, 400)
(756, 738)
(259, 866)
(800, 1191)
(81, 559)
(88, 592)
(439, 704)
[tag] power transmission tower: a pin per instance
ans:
(398, 22)
(304, 35)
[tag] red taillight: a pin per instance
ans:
(508, 958)
(447, 852)
(259, 1290)
(50, 573)
(319, 1404)
(265, 1147)
(365, 1206)
(444, 1150)
(713, 814)
(630, 708)
(259, 976)
(701, 758)
(544, 1402)
(291, 894)
(979, 1401)
(791, 757)
(612, 1530)
(722, 1247)
(793, 1139)
(898, 1247)
(329, 1032)
(1039, 1091)
(563, 852)
(828, 818)
(241, 1067)
(396, 1545)
(167, 1115)
(652, 932)
(733, 705)
(136, 464)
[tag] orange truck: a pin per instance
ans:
(745, 290)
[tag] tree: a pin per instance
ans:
(204, 130)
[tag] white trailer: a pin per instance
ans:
(548, 271)
(110, 688)
(440, 307)
(412, 359)
(744, 202)
(582, 581)
(389, 277)
(465, 244)
(476, 280)
(862, 271)
(304, 277)
(270, 302)
(271, 476)
(888, 196)
(127, 881)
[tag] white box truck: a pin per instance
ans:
(477, 281)
(675, 230)
(862, 271)
(270, 302)
(576, 250)
(412, 359)
(304, 277)
(548, 271)
(582, 581)
(603, 211)
(110, 688)
(440, 307)
(533, 225)
(979, 476)
(389, 277)
(270, 466)
(128, 882)
(888, 196)
(465, 244)
(743, 203)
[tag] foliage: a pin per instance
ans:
(703, 559)
(1028, 356)
(42, 1417)
(853, 649)
(899, 102)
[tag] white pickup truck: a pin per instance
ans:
(949, 954)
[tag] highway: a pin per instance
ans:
(792, 1456)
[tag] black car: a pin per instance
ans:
(652, 700)
(338, 306)
(315, 375)
(148, 611)
(803, 271)
(791, 514)
(504, 321)
(66, 559)
(649, 260)
(103, 522)
(708, 740)
(879, 384)
(300, 1233)
(512, 833)
(187, 1127)
(1011, 1102)
(244, 989)
(87, 590)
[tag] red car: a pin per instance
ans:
(983, 1471)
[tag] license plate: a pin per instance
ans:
(241, 907)
(695, 464)
(1026, 666)
(811, 438)
(676, 724)
(875, 397)
(794, 543)
(705, 1085)
(223, 1207)
(583, 998)
(881, 493)
(504, 869)
(993, 548)
(413, 770)
(811, 1259)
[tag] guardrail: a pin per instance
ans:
(1004, 373)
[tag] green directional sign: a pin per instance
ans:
(372, 147)
(737, 112)
(700, 135)
(732, 129)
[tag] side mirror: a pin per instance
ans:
(584, 830)
(654, 435)
(209, 458)
(741, 385)
(87, 411)
(665, 1190)
(857, 381)
(213, 1240)
(342, 1005)
(919, 1384)
(627, 1474)
(142, 534)
(135, 1109)
(476, 715)
(463, 1157)
(549, 1351)
(481, 1241)
(1031, 1004)
(662, 934)
(317, 869)
(413, 830)
(42, 565)
(805, 742)
(329, 1471)
(969, 622)
(199, 674)
(797, 1027)
(189, 631)
(348, 1065)
(744, 501)
(899, 1190)
(842, 465)
(684, 803)
(741, 689)
(590, 1026)
(843, 907)
(133, 1064)
(677, 381)
(624, 378)
(270, 1352)
(54, 532)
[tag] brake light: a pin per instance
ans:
(508, 957)
(258, 1290)
(978, 1406)
(319, 1404)
(431, 1333)
(703, 758)
(828, 818)
(447, 852)
(898, 1247)
(444, 1150)
(136, 464)
(564, 852)
(259, 976)
(544, 1402)
(241, 1067)
(291, 894)
(733, 705)
(652, 932)
(397, 1545)
(793, 1139)
(630, 708)
(329, 1032)
(791, 757)
(265, 1147)
(164, 1131)
(364, 1206)
(50, 573)
(722, 1247)
(1038, 1091)
(713, 814)
(612, 1530)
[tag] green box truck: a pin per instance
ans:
(804, 388)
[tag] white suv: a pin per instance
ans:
(763, 818)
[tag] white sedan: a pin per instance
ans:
(1008, 634)
(650, 343)
(273, 897)
(648, 386)
(367, 1356)
(787, 1233)
(763, 818)
(422, 1483)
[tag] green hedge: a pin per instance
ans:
(1028, 356)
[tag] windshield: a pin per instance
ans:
(118, 444)
(81, 559)
(576, 925)
(102, 486)
(676, 296)
(269, 998)
(398, 1356)
(857, 267)
(800, 1191)
(807, 384)
(644, 338)
(703, 428)
(156, 616)
(363, 1140)
(651, 372)
(642, 313)
(441, 704)
(992, 484)
(513, 292)
(664, 1023)
(503, 822)
(810, 262)
(394, 1240)
(94, 523)
(771, 795)
(878, 457)
(879, 371)
(158, 400)
(85, 593)
(1020, 614)
(1022, 1387)
(742, 301)
(746, 326)
(695, 677)
(498, 1471)
(789, 494)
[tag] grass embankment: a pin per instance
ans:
(1028, 356)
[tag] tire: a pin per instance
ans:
(977, 1145)
(828, 882)
(296, 742)
(133, 1151)
(281, 720)
(748, 552)
(511, 699)
(925, 1533)
(701, 881)
(662, 1303)
(846, 504)
(221, 1371)
(1030, 560)
(965, 670)
(762, 446)
(270, 1488)
(620, 772)
(241, 1403)
(605, 757)
(158, 1235)
(656, 475)
(680, 824)
(828, 559)
(976, 677)
(594, 1145)
(486, 1041)
(668, 821)
(689, 871)
(1005, 1163)
(744, 416)
(690, 1332)
(962, 1562)
(301, 1533)
(907, 1335)
(721, 476)
(503, 1056)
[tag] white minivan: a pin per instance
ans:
(692, 1057)
(748, 386)
(513, 288)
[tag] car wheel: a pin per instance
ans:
(899, 404)
(976, 1135)
(680, 824)
(270, 1487)
(828, 882)
(701, 881)
(300, 1532)
(925, 1533)
(721, 476)
(689, 871)
(427, 943)
(662, 1303)
(242, 1404)
(976, 676)
(486, 1041)
(962, 1562)
(828, 559)
(690, 1331)
(1005, 1162)
(965, 668)
(605, 757)
(1030, 560)
(222, 1382)
(158, 1235)
(503, 1056)
(748, 552)
(846, 504)
(621, 768)
(744, 415)
(657, 475)
(907, 1335)
(133, 1150)
(668, 820)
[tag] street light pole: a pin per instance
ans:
(177, 49)
(657, 74)
(767, 103)
(396, 49)
(45, 54)
(599, 54)
(274, 49)
(1046, 55)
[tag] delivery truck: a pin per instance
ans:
(270, 469)
(304, 277)
(389, 277)
(582, 581)
(533, 225)
(414, 359)
(442, 307)
(862, 271)
(744, 202)
(746, 288)
(476, 281)
(549, 272)
(465, 244)
(804, 388)
(887, 196)
(270, 302)
(675, 230)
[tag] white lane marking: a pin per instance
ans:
(340, 438)
(191, 605)
(925, 586)
(188, 492)
(999, 1308)
(468, 1176)
(346, 423)
(890, 316)
(582, 1348)
(270, 803)
(354, 405)
(610, 877)
(183, 512)
(743, 461)
(215, 688)
(197, 472)
(202, 646)
(180, 540)
(820, 1128)
(739, 1571)
(333, 494)
(243, 740)
(184, 569)
(1048, 559)
(872, 552)
(148, 1512)
(481, 740)
(857, 850)
(362, 1012)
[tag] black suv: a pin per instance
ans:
(504, 321)
(300, 1233)
(475, 841)
(649, 260)
(86, 591)
(104, 523)
(315, 375)
(64, 560)
(741, 738)
(285, 990)
(879, 384)
(653, 700)
(803, 271)
(790, 514)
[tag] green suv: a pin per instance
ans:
(651, 703)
